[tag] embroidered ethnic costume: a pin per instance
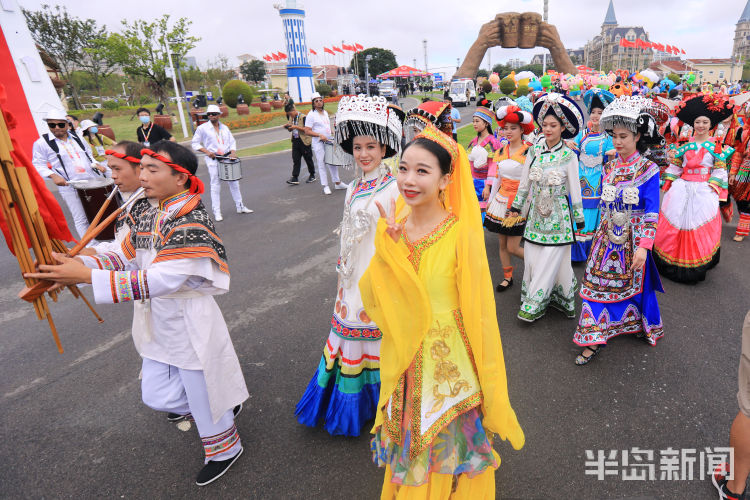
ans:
(170, 265)
(617, 300)
(443, 390)
(344, 390)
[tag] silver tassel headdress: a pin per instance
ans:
(369, 116)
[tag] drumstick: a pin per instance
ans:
(101, 211)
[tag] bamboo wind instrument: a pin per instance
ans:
(31, 293)
(20, 210)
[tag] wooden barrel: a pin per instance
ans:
(164, 121)
(243, 109)
(107, 130)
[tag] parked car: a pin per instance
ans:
(462, 91)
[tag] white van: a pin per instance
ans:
(462, 91)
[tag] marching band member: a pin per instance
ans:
(213, 138)
(62, 157)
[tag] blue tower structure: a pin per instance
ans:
(298, 71)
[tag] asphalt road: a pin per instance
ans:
(74, 426)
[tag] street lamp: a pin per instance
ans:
(368, 57)
(177, 92)
(182, 84)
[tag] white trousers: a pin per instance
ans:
(547, 278)
(75, 206)
(170, 389)
(319, 152)
(234, 187)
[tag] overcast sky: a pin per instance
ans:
(233, 27)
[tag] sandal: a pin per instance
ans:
(582, 360)
(501, 288)
(738, 238)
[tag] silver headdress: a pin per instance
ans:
(362, 115)
(632, 113)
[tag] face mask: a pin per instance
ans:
(94, 130)
(145, 119)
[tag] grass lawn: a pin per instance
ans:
(465, 135)
(273, 147)
(124, 122)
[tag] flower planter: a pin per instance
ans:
(265, 107)
(277, 104)
(164, 121)
(243, 109)
(224, 110)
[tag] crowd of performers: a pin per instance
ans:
(413, 344)
(413, 341)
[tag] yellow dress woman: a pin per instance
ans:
(443, 392)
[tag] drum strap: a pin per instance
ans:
(53, 146)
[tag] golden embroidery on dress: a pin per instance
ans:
(446, 371)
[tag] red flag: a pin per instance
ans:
(358, 46)
(313, 52)
(669, 48)
(683, 51)
(282, 55)
(329, 51)
(275, 57)
(337, 49)
(267, 58)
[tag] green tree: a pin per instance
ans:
(253, 71)
(382, 60)
(232, 89)
(507, 85)
(141, 49)
(483, 72)
(100, 60)
(502, 70)
(674, 77)
(323, 89)
(63, 37)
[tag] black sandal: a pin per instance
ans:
(582, 360)
(500, 288)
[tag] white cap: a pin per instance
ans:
(213, 108)
(87, 124)
(56, 114)
(315, 95)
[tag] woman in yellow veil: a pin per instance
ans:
(443, 393)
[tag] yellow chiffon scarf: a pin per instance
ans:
(397, 302)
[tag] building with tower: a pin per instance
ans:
(298, 71)
(741, 46)
(604, 51)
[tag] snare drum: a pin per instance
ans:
(337, 156)
(230, 169)
(93, 194)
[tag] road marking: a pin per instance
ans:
(24, 388)
(102, 348)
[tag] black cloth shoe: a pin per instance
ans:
(214, 469)
(237, 409)
(293, 180)
(176, 417)
(311, 179)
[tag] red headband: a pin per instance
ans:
(122, 156)
(196, 185)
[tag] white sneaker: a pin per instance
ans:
(242, 209)
(341, 185)
(218, 217)
(326, 190)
